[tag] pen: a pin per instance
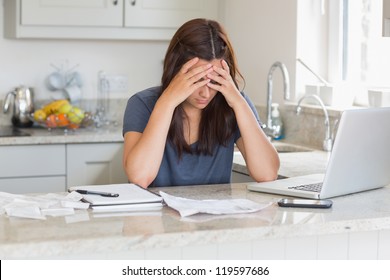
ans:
(107, 194)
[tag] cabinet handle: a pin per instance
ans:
(133, 2)
(115, 2)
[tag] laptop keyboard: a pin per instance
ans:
(309, 187)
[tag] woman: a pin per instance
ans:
(183, 132)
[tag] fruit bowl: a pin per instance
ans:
(61, 114)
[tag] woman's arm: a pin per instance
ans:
(143, 152)
(261, 158)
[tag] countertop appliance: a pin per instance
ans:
(23, 106)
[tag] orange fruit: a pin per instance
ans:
(51, 121)
(73, 125)
(62, 120)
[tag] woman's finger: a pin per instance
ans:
(187, 66)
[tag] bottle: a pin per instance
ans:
(276, 121)
(103, 100)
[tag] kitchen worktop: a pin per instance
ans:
(356, 227)
(40, 135)
(355, 224)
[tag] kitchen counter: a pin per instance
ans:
(357, 226)
(304, 161)
(40, 135)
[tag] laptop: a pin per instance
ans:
(359, 161)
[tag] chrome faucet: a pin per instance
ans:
(268, 129)
(327, 144)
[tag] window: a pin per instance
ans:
(365, 55)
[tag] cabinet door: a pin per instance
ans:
(32, 160)
(167, 13)
(95, 164)
(72, 12)
(50, 184)
(32, 168)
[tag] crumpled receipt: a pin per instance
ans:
(187, 207)
(40, 206)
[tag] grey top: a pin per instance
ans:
(191, 169)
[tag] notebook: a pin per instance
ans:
(359, 161)
(130, 197)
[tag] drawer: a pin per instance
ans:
(33, 185)
(32, 160)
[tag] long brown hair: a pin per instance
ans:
(207, 40)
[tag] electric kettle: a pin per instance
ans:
(23, 106)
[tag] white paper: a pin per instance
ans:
(24, 209)
(187, 207)
(57, 212)
(40, 206)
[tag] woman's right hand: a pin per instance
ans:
(186, 81)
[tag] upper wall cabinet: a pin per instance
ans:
(102, 19)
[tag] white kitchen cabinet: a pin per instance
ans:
(71, 13)
(32, 168)
(45, 184)
(167, 13)
(52, 168)
(102, 19)
(95, 164)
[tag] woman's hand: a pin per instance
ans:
(187, 81)
(224, 84)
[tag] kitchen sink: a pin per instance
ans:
(6, 131)
(290, 148)
(285, 148)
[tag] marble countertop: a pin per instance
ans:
(40, 135)
(303, 161)
(87, 234)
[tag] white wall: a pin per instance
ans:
(28, 62)
(263, 32)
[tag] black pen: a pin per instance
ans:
(107, 194)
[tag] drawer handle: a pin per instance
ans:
(133, 2)
(115, 2)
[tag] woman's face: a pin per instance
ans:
(200, 98)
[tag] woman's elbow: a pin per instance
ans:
(140, 180)
(266, 174)
(265, 177)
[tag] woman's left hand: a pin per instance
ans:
(224, 84)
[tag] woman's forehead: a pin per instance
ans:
(214, 62)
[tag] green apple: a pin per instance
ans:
(65, 109)
(76, 115)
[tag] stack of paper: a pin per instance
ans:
(40, 206)
(130, 197)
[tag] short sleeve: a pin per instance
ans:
(138, 110)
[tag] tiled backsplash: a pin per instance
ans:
(307, 128)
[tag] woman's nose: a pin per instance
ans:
(204, 92)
